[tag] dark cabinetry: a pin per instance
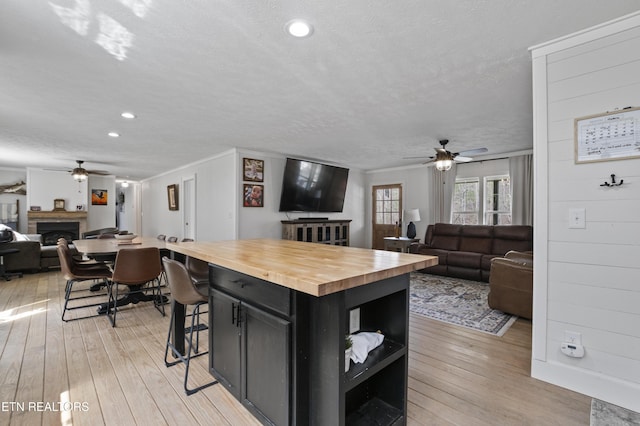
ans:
(251, 344)
(334, 232)
(281, 352)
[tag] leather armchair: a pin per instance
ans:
(511, 284)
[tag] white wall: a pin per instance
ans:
(416, 193)
(43, 186)
(215, 200)
(586, 280)
(100, 216)
(220, 214)
(265, 222)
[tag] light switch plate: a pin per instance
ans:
(577, 218)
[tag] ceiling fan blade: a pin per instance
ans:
(461, 159)
(98, 172)
(441, 150)
(58, 170)
(417, 157)
(472, 151)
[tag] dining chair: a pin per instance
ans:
(135, 268)
(183, 291)
(74, 273)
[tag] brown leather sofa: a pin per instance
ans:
(465, 251)
(511, 284)
(27, 259)
(32, 256)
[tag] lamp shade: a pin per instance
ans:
(412, 215)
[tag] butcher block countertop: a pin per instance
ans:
(316, 269)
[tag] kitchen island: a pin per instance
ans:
(279, 313)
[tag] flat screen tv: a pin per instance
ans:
(312, 187)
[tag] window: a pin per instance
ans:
(497, 200)
(496, 196)
(465, 202)
(387, 205)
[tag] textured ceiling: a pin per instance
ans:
(377, 81)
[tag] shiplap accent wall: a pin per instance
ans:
(587, 280)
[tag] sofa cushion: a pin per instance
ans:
(446, 236)
(512, 237)
(465, 259)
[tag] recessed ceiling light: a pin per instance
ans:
(114, 134)
(128, 115)
(299, 28)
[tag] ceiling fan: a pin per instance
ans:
(444, 158)
(80, 173)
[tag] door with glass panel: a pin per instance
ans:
(387, 213)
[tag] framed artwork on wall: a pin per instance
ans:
(252, 195)
(172, 196)
(99, 197)
(253, 170)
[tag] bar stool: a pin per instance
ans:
(184, 292)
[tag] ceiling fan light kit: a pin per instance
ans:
(79, 173)
(444, 159)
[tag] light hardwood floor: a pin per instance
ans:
(116, 376)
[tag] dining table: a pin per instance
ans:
(108, 248)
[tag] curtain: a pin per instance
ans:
(443, 184)
(521, 176)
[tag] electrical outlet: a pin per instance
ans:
(354, 320)
(573, 337)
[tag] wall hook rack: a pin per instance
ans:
(613, 182)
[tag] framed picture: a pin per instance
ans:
(172, 196)
(99, 197)
(252, 195)
(607, 136)
(253, 170)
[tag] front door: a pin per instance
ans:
(387, 213)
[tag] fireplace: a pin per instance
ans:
(52, 231)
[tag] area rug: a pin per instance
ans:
(456, 301)
(605, 414)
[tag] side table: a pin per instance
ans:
(400, 244)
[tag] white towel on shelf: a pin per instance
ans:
(363, 343)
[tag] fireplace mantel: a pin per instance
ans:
(56, 216)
